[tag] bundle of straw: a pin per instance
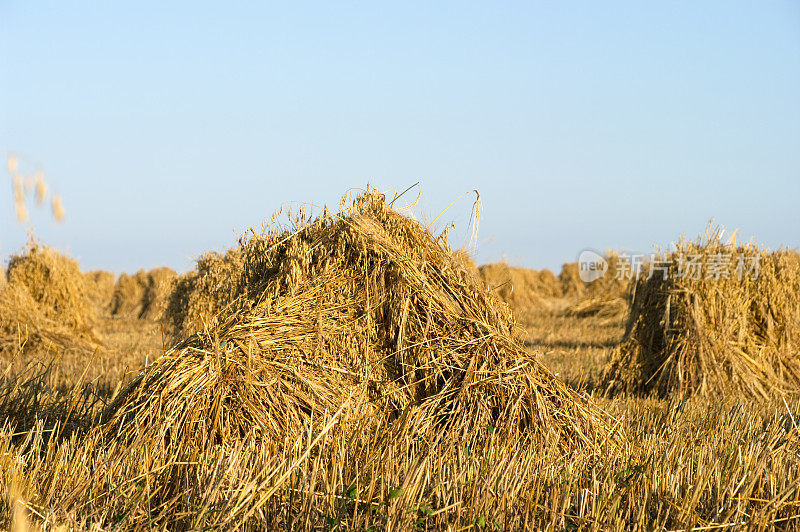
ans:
(45, 301)
(144, 295)
(160, 283)
(359, 317)
(101, 288)
(129, 294)
(722, 329)
(525, 290)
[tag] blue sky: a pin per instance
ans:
(169, 126)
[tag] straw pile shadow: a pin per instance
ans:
(695, 331)
(363, 316)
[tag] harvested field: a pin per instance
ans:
(354, 373)
(502, 336)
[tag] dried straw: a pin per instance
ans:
(101, 288)
(526, 291)
(128, 296)
(160, 283)
(199, 295)
(361, 318)
(710, 335)
(45, 301)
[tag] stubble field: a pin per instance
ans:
(350, 372)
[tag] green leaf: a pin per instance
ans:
(394, 493)
(480, 521)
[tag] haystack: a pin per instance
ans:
(178, 302)
(160, 283)
(464, 259)
(570, 280)
(129, 294)
(199, 295)
(607, 298)
(362, 316)
(715, 329)
(45, 301)
(524, 290)
(144, 295)
(613, 283)
(100, 284)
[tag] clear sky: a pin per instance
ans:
(168, 126)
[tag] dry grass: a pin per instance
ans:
(126, 301)
(353, 337)
(711, 335)
(101, 289)
(526, 291)
(368, 303)
(465, 261)
(45, 303)
(608, 306)
(199, 295)
(608, 298)
(356, 375)
(612, 284)
(701, 463)
(160, 283)
(570, 280)
(144, 295)
(532, 294)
